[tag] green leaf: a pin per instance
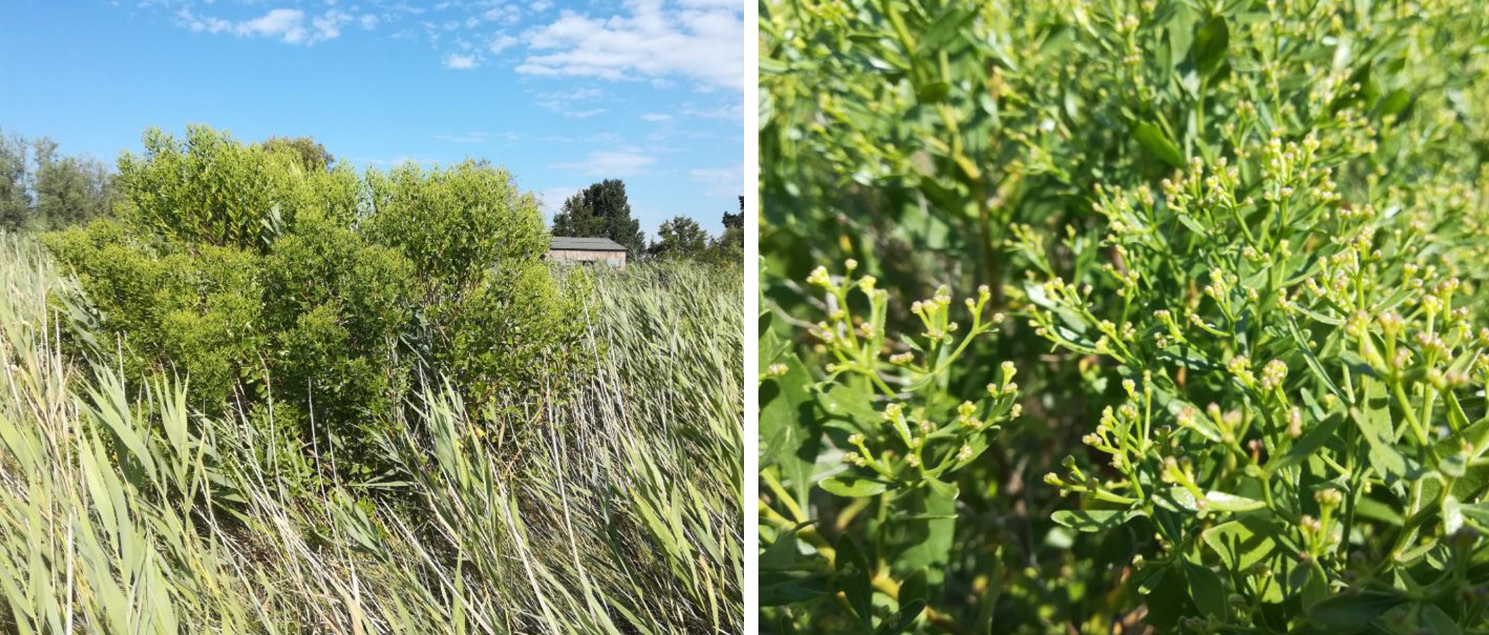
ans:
(1206, 589)
(1210, 44)
(919, 537)
(902, 619)
(947, 25)
(1350, 613)
(853, 578)
(1089, 520)
(1241, 543)
(1437, 621)
(1378, 430)
(791, 435)
(1476, 511)
(1231, 503)
(1157, 142)
(781, 553)
(1307, 445)
(914, 588)
(779, 588)
(853, 486)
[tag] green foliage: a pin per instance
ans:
(320, 294)
(490, 313)
(680, 237)
(15, 198)
(313, 155)
(40, 189)
(208, 188)
(123, 509)
(601, 211)
(1292, 359)
(1275, 208)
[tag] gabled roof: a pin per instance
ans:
(585, 244)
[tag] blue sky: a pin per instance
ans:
(562, 93)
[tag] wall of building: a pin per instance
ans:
(616, 258)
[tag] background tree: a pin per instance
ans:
(735, 221)
(728, 247)
(15, 197)
(680, 237)
(69, 190)
(313, 155)
(601, 211)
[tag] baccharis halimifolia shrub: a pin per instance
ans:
(1300, 437)
(899, 435)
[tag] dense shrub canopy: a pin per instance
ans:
(1238, 248)
(317, 292)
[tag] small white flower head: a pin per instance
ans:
(820, 277)
(913, 460)
(965, 453)
(855, 439)
(1273, 374)
(850, 264)
(1432, 304)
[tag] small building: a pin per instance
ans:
(587, 250)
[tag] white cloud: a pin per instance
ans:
(469, 137)
(461, 62)
(328, 25)
(552, 199)
(731, 111)
(501, 42)
(656, 117)
(286, 25)
(569, 103)
(610, 164)
(694, 39)
(477, 137)
(719, 181)
(369, 21)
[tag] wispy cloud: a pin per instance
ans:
(697, 40)
(501, 42)
(461, 62)
(477, 137)
(656, 117)
(576, 103)
(719, 181)
(610, 164)
(290, 26)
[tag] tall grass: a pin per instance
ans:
(123, 511)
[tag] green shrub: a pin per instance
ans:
(264, 282)
(490, 314)
(211, 189)
(1178, 203)
(1300, 403)
(124, 509)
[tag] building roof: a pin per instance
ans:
(586, 244)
